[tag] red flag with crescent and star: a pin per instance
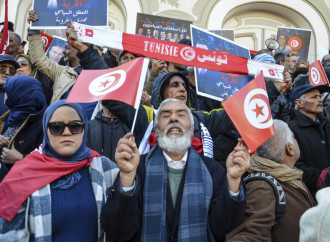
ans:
(46, 40)
(250, 112)
(317, 74)
(123, 83)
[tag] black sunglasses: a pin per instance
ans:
(23, 63)
(57, 128)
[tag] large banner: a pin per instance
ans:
(56, 14)
(294, 41)
(56, 49)
(214, 84)
(162, 28)
(226, 33)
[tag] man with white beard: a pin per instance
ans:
(174, 193)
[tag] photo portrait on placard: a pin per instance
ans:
(294, 41)
(56, 49)
(162, 28)
(56, 14)
(214, 84)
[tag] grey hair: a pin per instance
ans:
(156, 121)
(303, 99)
(18, 38)
(274, 148)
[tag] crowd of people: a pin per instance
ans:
(76, 172)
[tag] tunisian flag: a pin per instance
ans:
(250, 112)
(123, 83)
(4, 45)
(317, 75)
(46, 40)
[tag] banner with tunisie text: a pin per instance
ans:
(176, 53)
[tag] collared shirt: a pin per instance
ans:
(176, 164)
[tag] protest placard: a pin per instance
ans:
(214, 84)
(163, 28)
(56, 49)
(56, 14)
(294, 41)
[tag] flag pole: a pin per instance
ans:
(134, 120)
(140, 89)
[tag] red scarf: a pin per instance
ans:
(33, 172)
(195, 142)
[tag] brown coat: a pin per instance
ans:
(260, 214)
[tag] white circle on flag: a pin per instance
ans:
(315, 75)
(294, 43)
(44, 40)
(256, 109)
(188, 53)
(107, 83)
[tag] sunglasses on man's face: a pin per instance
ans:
(23, 63)
(57, 128)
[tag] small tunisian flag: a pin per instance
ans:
(123, 83)
(250, 112)
(317, 75)
(46, 40)
(4, 45)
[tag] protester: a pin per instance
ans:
(25, 66)
(8, 67)
(63, 77)
(275, 157)
(14, 44)
(20, 127)
(312, 132)
(214, 134)
(151, 199)
(65, 184)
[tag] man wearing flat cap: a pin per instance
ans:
(312, 132)
(8, 67)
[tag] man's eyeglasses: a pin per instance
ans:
(3, 68)
(23, 63)
(57, 128)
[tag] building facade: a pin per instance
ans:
(253, 21)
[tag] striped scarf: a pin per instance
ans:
(198, 187)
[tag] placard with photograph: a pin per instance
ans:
(214, 84)
(56, 14)
(56, 49)
(162, 28)
(294, 41)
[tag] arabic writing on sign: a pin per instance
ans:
(77, 3)
(62, 19)
(217, 60)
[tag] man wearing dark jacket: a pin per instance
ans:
(312, 132)
(174, 194)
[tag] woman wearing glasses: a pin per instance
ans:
(20, 127)
(25, 66)
(65, 184)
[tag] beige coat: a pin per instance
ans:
(63, 77)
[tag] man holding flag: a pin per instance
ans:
(151, 199)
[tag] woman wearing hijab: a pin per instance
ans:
(20, 126)
(28, 69)
(65, 184)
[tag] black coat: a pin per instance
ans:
(28, 137)
(314, 142)
(121, 217)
